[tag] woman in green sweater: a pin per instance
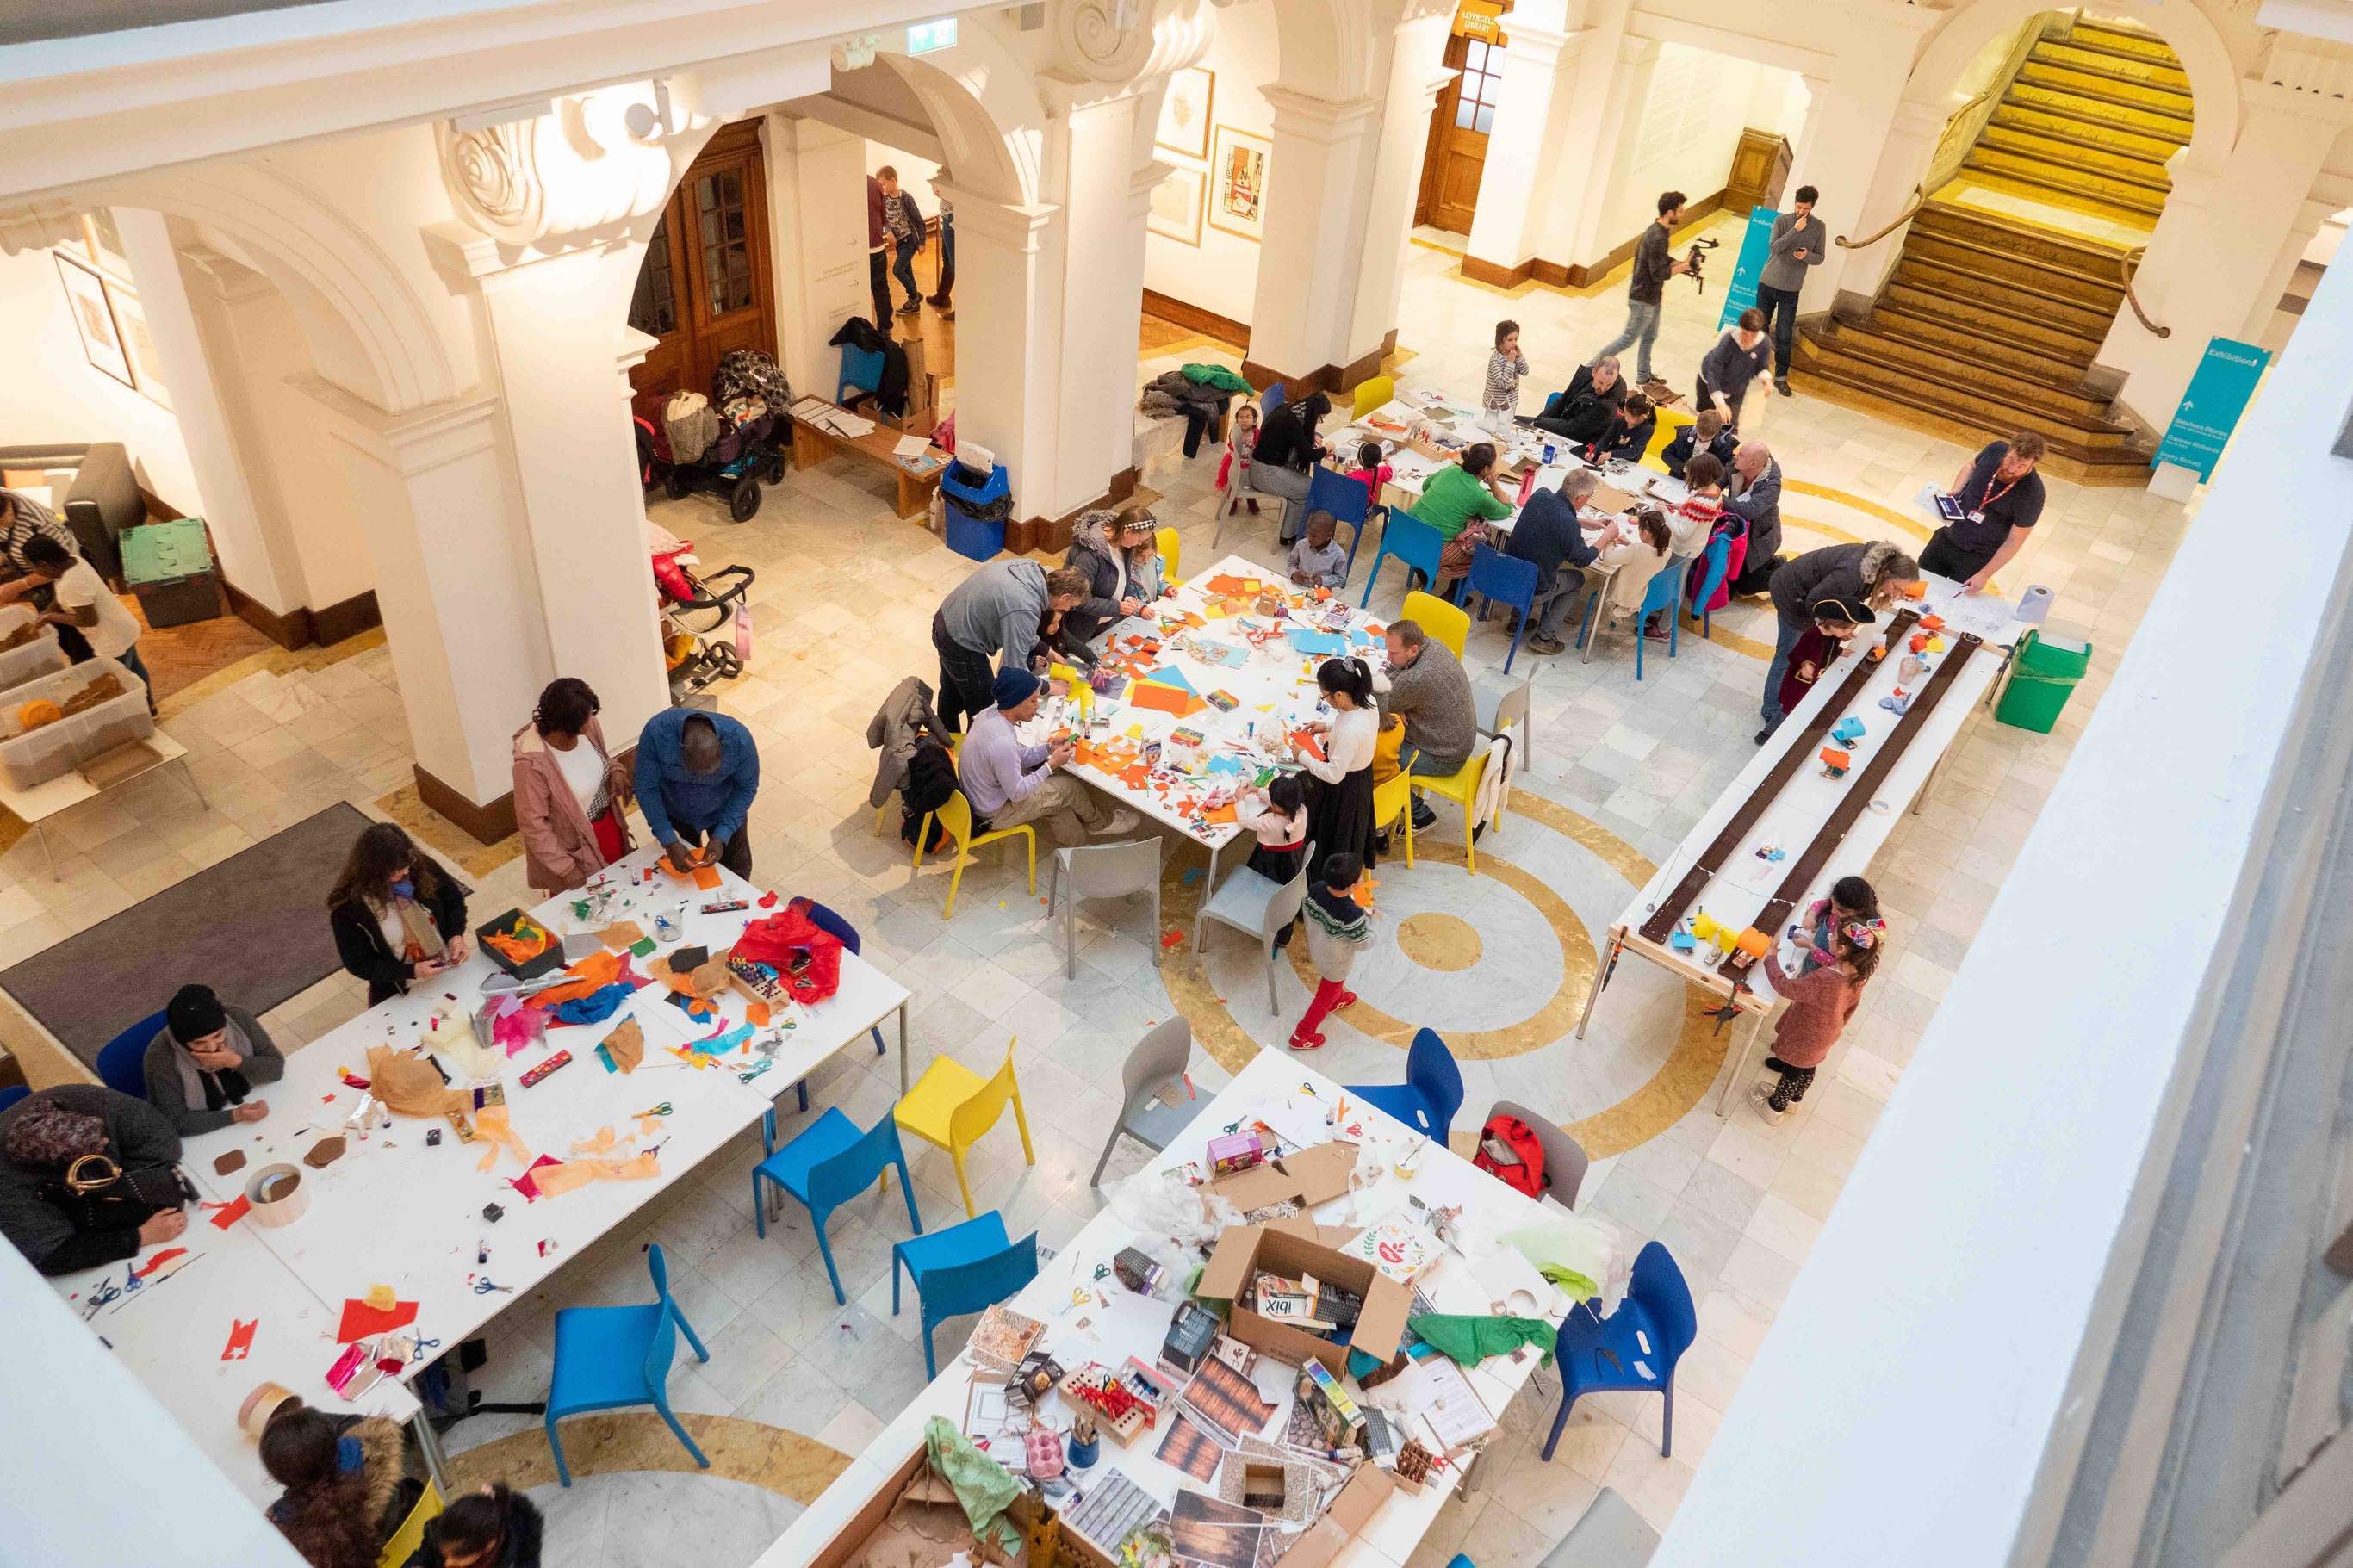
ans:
(1454, 497)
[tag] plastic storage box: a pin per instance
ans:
(31, 758)
(2044, 672)
(33, 659)
(169, 567)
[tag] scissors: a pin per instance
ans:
(661, 1110)
(482, 1286)
(104, 1292)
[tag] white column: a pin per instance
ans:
(1847, 125)
(2283, 265)
(1532, 130)
(1415, 79)
(560, 344)
(1627, 93)
(1008, 341)
(816, 230)
(1885, 191)
(1318, 178)
(454, 581)
(1565, 214)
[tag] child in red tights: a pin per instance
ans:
(1336, 927)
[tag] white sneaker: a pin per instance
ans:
(1122, 820)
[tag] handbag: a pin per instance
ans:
(98, 1194)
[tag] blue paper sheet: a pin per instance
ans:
(1227, 763)
(1308, 642)
(1169, 675)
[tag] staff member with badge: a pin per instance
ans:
(1999, 496)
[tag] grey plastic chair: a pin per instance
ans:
(1159, 1060)
(1104, 872)
(1565, 1157)
(1499, 710)
(1249, 903)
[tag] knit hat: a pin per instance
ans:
(48, 1136)
(1833, 607)
(1014, 686)
(194, 1012)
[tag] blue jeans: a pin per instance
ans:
(1781, 308)
(904, 270)
(946, 290)
(1641, 330)
(130, 660)
(1785, 637)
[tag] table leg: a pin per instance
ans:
(1609, 967)
(902, 1049)
(1208, 889)
(48, 855)
(428, 1444)
(1740, 1066)
(1920, 796)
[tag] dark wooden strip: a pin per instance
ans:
(1860, 789)
(1662, 923)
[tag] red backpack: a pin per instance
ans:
(1509, 1152)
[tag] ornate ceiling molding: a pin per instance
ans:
(594, 161)
(1121, 40)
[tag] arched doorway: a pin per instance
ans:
(706, 284)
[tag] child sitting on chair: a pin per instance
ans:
(1233, 472)
(1373, 474)
(1318, 561)
(1336, 927)
(1146, 573)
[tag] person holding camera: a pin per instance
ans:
(1646, 289)
(1740, 357)
(1796, 243)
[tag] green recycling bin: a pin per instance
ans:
(2042, 674)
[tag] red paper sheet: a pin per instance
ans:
(362, 1321)
(232, 1212)
(526, 1185)
(158, 1262)
(240, 1339)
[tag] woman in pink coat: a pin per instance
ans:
(570, 795)
(1822, 999)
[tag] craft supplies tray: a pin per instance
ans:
(507, 926)
(32, 757)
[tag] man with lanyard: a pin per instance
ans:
(2000, 497)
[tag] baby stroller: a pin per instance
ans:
(751, 399)
(703, 639)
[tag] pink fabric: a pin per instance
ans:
(1735, 557)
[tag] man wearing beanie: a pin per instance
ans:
(203, 1065)
(1010, 783)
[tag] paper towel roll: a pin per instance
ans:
(2034, 605)
(279, 1195)
(260, 1407)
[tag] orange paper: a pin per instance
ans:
(1165, 699)
(555, 1181)
(1219, 813)
(595, 972)
(706, 877)
(756, 1014)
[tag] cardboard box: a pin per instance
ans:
(1311, 1176)
(1350, 1513)
(1293, 1248)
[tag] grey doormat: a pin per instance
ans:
(254, 927)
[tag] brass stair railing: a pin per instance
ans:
(1908, 214)
(2131, 264)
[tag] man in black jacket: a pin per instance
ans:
(1547, 534)
(1646, 290)
(1582, 410)
(40, 1138)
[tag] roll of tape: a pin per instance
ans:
(260, 1407)
(277, 1194)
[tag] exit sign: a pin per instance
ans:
(928, 37)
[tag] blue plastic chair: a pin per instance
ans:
(825, 920)
(610, 1357)
(1408, 538)
(1713, 561)
(12, 1094)
(1431, 1092)
(831, 1162)
(1270, 400)
(1498, 578)
(861, 372)
(1663, 597)
(1347, 500)
(122, 1060)
(967, 1267)
(1603, 1355)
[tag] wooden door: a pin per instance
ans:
(1460, 122)
(705, 287)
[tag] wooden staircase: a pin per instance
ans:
(1991, 323)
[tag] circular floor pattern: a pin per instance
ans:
(1438, 940)
(783, 1462)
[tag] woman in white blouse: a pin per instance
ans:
(1344, 806)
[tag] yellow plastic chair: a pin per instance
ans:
(1172, 551)
(1371, 393)
(953, 1107)
(955, 749)
(957, 817)
(411, 1533)
(1670, 420)
(1462, 787)
(1390, 797)
(1445, 623)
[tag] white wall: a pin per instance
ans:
(1684, 135)
(310, 481)
(1221, 273)
(52, 391)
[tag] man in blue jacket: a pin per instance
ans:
(697, 774)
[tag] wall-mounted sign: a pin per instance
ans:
(927, 37)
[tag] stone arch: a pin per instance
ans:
(369, 331)
(989, 119)
(2185, 26)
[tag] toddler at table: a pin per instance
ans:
(1234, 469)
(1278, 815)
(1822, 996)
(1336, 927)
(1373, 474)
(1318, 561)
(1500, 399)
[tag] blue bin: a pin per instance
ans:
(967, 534)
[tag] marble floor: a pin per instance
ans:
(1619, 771)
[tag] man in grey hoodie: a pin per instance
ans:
(999, 612)
(1797, 244)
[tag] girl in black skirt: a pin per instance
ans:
(1342, 809)
(1279, 816)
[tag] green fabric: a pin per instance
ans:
(1578, 1287)
(1471, 1341)
(1451, 498)
(984, 1486)
(1214, 375)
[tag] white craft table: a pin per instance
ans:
(1745, 882)
(37, 804)
(394, 1210)
(171, 1334)
(1066, 1291)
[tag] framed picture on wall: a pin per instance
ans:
(1185, 112)
(1237, 175)
(138, 343)
(101, 341)
(1177, 205)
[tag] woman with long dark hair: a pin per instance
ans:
(571, 797)
(396, 917)
(348, 1486)
(1286, 457)
(1343, 806)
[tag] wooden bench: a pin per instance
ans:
(813, 444)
